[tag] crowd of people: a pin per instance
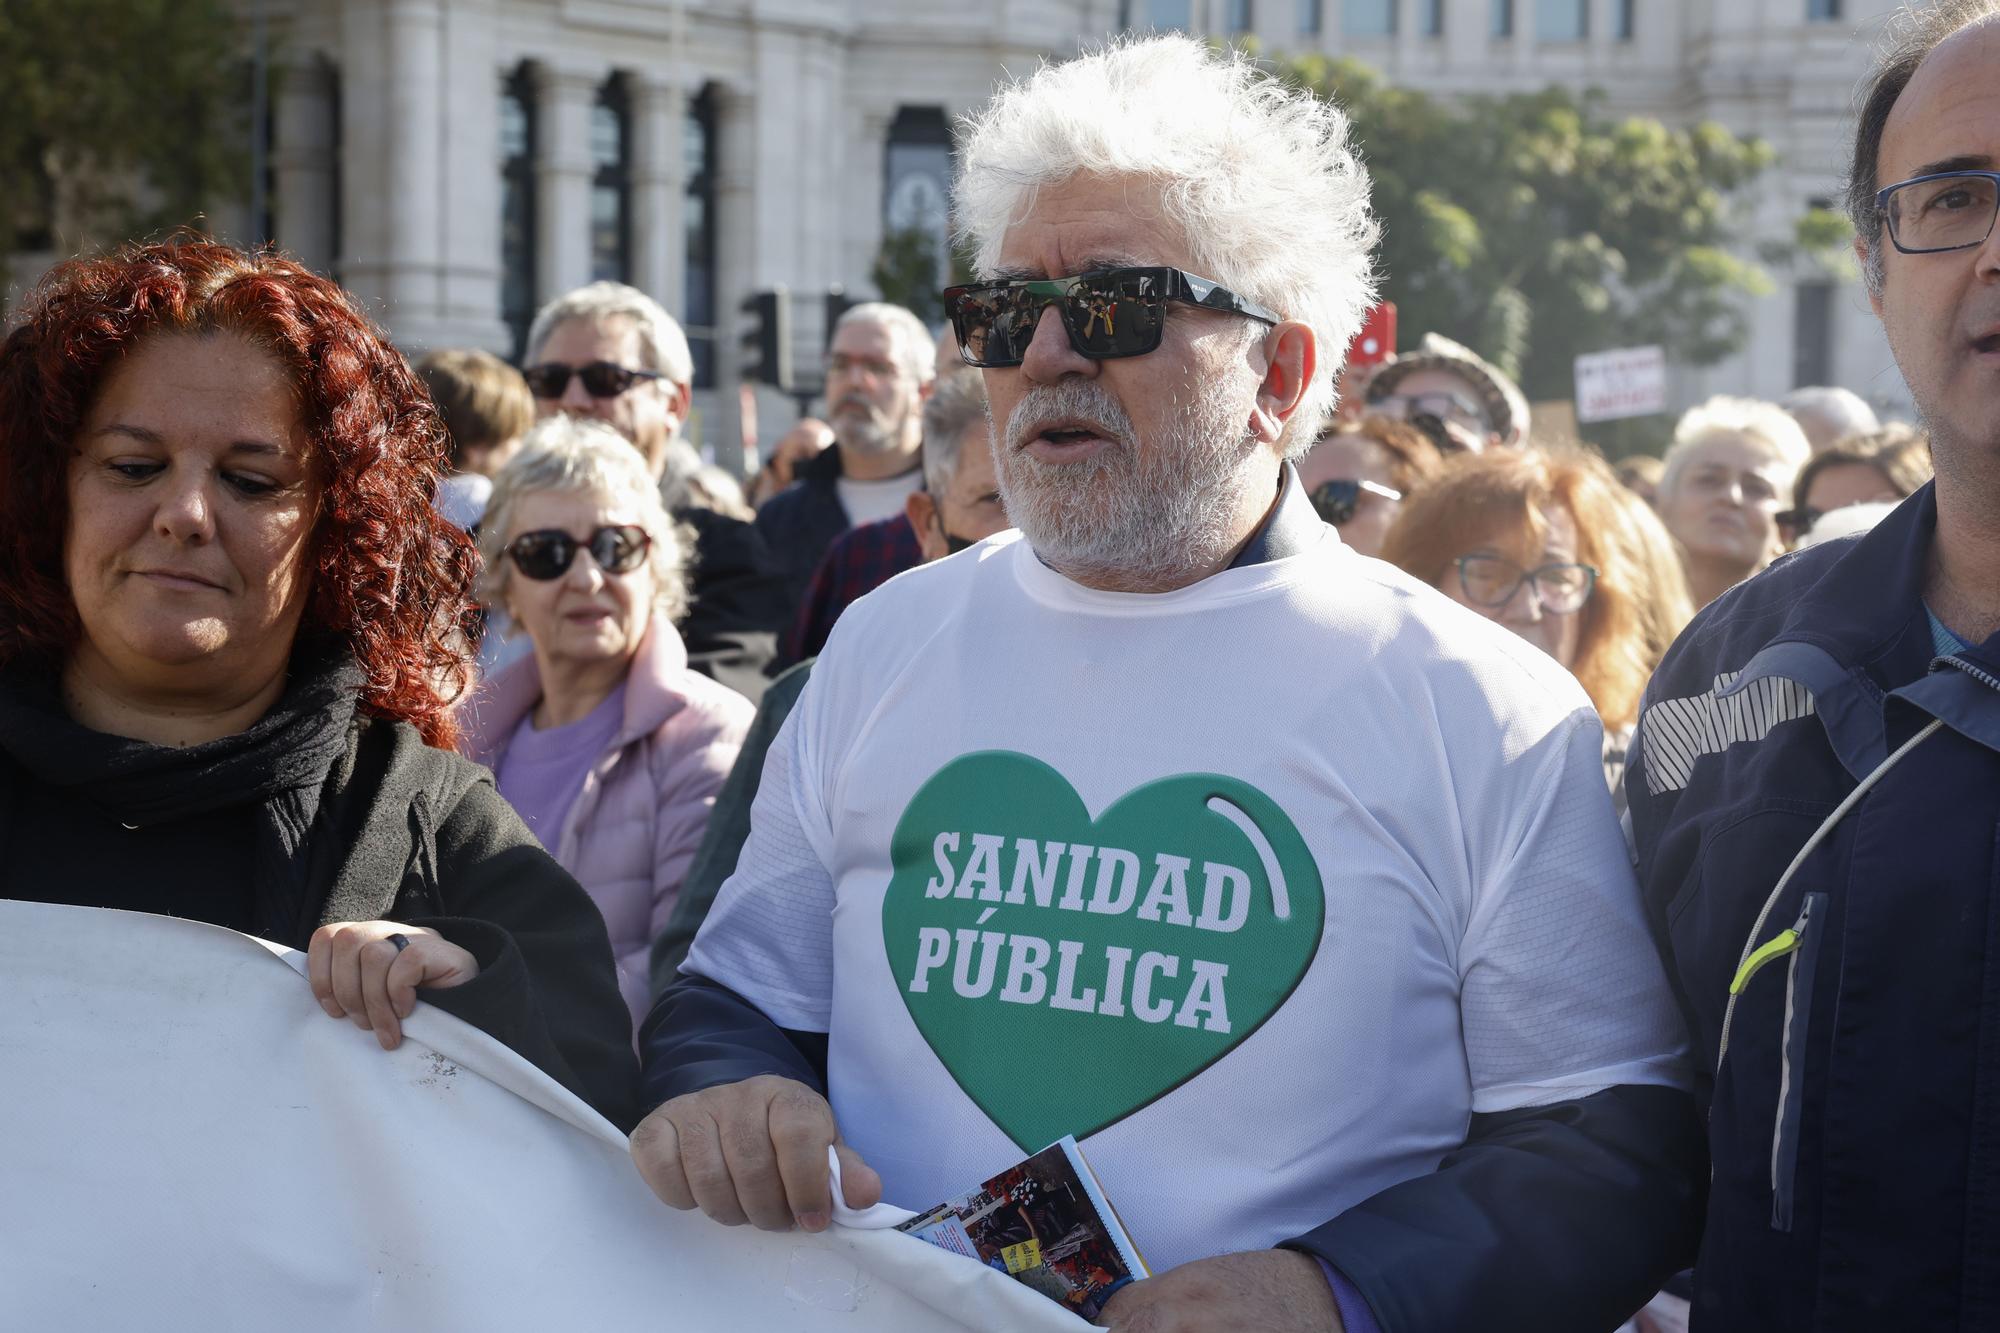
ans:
(1303, 732)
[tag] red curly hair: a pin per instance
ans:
(390, 577)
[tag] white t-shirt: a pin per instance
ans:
(873, 501)
(1260, 888)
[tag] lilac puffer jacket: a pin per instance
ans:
(634, 826)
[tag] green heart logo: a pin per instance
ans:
(1069, 971)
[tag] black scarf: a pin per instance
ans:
(280, 763)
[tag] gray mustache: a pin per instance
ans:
(1069, 403)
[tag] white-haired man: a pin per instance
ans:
(1829, 414)
(611, 353)
(879, 367)
(1289, 888)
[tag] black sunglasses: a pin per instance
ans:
(601, 379)
(547, 553)
(1110, 313)
(1338, 500)
(1797, 523)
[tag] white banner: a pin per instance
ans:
(1630, 382)
(187, 1141)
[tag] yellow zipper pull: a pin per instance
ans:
(1784, 942)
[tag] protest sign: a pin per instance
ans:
(193, 1143)
(1629, 382)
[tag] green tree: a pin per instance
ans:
(906, 272)
(1534, 228)
(117, 117)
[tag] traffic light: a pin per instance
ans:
(767, 339)
(838, 303)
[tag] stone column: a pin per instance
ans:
(562, 178)
(391, 110)
(659, 189)
(868, 172)
(735, 171)
(302, 159)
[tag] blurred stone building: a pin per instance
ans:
(457, 162)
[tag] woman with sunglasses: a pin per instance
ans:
(230, 620)
(1550, 545)
(1359, 471)
(606, 743)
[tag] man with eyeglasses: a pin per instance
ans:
(1289, 889)
(1815, 790)
(608, 352)
(879, 370)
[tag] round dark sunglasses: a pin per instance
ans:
(1109, 313)
(547, 553)
(1336, 501)
(601, 379)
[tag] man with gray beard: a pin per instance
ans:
(1287, 887)
(879, 369)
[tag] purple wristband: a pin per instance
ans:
(1354, 1312)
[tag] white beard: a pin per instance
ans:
(1129, 517)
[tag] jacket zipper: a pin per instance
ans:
(1984, 677)
(1791, 1061)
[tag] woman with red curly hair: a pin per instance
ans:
(229, 619)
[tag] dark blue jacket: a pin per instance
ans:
(1855, 1121)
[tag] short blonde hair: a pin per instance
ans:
(1765, 425)
(483, 399)
(1640, 601)
(577, 455)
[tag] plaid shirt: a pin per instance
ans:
(860, 560)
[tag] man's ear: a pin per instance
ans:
(1861, 257)
(921, 510)
(1292, 353)
(680, 402)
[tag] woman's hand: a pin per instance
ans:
(358, 971)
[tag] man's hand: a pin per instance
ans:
(752, 1152)
(1273, 1291)
(357, 972)
(801, 444)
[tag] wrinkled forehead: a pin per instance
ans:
(580, 341)
(1092, 222)
(1948, 117)
(1735, 451)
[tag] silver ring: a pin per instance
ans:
(401, 942)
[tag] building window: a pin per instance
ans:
(1625, 22)
(1503, 18)
(1156, 14)
(698, 223)
(1562, 20)
(1430, 20)
(1312, 17)
(518, 279)
(916, 200)
(1368, 18)
(1236, 17)
(1823, 11)
(611, 183)
(1812, 334)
